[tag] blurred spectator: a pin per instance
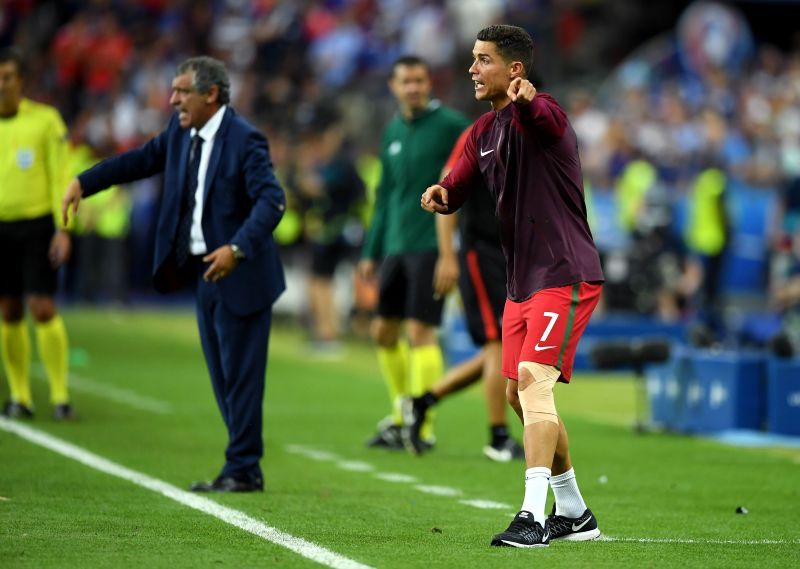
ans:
(327, 179)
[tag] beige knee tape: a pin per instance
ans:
(536, 398)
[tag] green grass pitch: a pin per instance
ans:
(145, 402)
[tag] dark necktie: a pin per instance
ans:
(183, 237)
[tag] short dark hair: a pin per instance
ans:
(410, 61)
(13, 55)
(513, 44)
(207, 73)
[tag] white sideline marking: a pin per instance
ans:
(311, 453)
(112, 393)
(485, 504)
(355, 466)
(395, 477)
(228, 515)
(439, 490)
(700, 541)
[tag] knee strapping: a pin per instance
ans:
(536, 398)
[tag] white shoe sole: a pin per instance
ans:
(590, 535)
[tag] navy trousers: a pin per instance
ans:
(235, 349)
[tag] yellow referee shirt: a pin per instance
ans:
(33, 163)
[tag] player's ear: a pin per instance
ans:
(516, 69)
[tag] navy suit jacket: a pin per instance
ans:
(243, 203)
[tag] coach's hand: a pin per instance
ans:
(72, 198)
(60, 249)
(222, 263)
(521, 91)
(434, 199)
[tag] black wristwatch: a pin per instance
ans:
(238, 254)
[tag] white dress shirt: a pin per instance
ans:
(197, 243)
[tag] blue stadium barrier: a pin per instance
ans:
(699, 391)
(783, 396)
(729, 389)
(666, 385)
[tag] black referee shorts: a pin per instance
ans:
(482, 284)
(25, 245)
(405, 288)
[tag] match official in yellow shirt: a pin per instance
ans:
(33, 161)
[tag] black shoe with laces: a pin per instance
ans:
(388, 437)
(582, 528)
(15, 410)
(64, 412)
(523, 532)
(506, 451)
(415, 412)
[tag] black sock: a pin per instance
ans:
(499, 434)
(428, 399)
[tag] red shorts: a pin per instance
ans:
(546, 328)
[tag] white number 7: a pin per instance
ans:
(553, 316)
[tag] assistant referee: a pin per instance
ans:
(33, 159)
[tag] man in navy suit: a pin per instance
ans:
(221, 203)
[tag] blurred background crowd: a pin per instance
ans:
(688, 116)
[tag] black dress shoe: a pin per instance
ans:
(228, 484)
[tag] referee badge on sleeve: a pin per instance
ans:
(25, 158)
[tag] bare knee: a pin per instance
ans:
(42, 308)
(13, 308)
(420, 333)
(385, 333)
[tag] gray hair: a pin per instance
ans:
(207, 73)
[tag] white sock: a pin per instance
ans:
(536, 480)
(569, 502)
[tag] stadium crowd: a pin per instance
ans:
(665, 137)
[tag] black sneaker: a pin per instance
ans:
(63, 412)
(582, 528)
(523, 532)
(388, 437)
(415, 411)
(506, 451)
(14, 410)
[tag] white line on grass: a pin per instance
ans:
(700, 541)
(228, 515)
(395, 477)
(439, 490)
(486, 505)
(112, 393)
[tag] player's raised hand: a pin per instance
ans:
(72, 198)
(521, 91)
(434, 199)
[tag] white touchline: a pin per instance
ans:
(700, 541)
(228, 515)
(439, 490)
(486, 505)
(112, 393)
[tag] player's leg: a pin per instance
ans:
(15, 348)
(417, 408)
(325, 314)
(392, 353)
(426, 364)
(570, 519)
(525, 530)
(557, 319)
(502, 446)
(53, 346)
(424, 312)
(41, 282)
